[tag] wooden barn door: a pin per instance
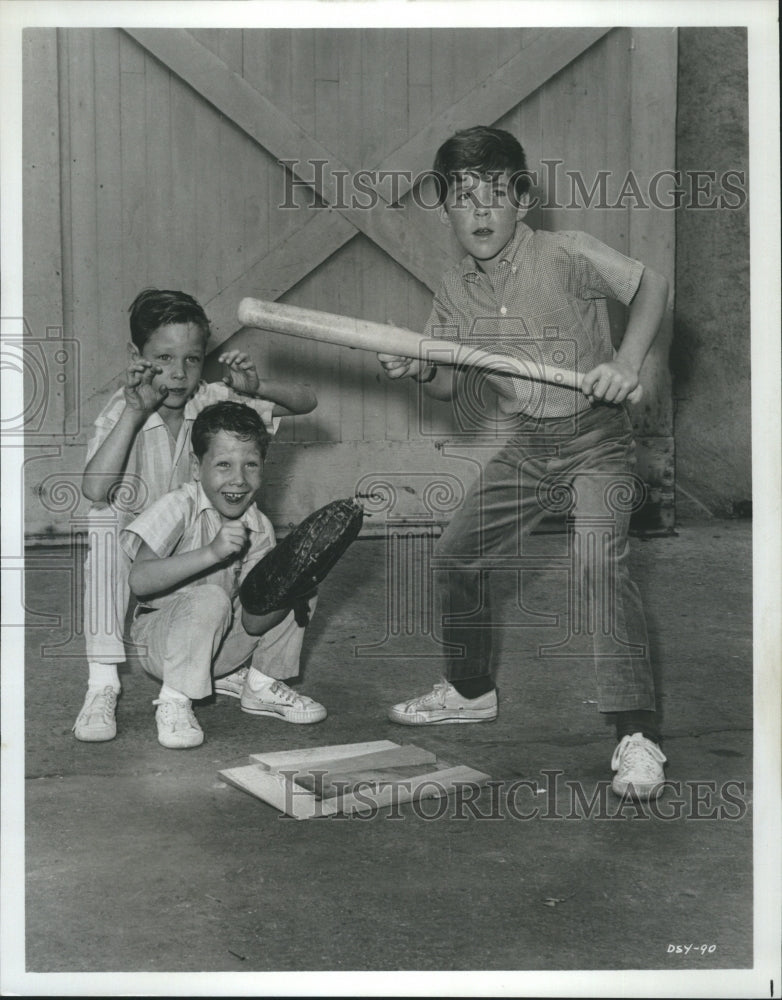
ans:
(222, 162)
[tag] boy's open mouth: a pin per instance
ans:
(234, 498)
(482, 232)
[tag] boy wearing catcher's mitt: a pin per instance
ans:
(538, 295)
(191, 551)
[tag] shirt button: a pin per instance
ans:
(514, 269)
(503, 310)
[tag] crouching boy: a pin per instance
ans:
(191, 549)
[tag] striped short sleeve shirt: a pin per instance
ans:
(185, 520)
(547, 304)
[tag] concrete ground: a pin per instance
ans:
(141, 859)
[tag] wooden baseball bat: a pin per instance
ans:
(381, 338)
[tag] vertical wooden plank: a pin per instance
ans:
(43, 258)
(184, 204)
(229, 252)
(207, 130)
(524, 122)
(376, 397)
(279, 79)
(133, 177)
(419, 78)
(396, 132)
(327, 54)
(112, 324)
(652, 235)
(615, 52)
(327, 126)
(302, 43)
(442, 69)
(157, 118)
(350, 100)
(373, 96)
(353, 364)
(299, 48)
(83, 222)
(395, 118)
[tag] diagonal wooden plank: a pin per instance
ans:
(404, 240)
(546, 54)
(285, 264)
(323, 233)
(263, 121)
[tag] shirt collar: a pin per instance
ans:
(189, 413)
(250, 518)
(470, 268)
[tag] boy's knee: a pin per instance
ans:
(208, 603)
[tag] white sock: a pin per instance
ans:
(171, 694)
(103, 675)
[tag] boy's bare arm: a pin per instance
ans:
(151, 575)
(613, 381)
(290, 398)
(105, 467)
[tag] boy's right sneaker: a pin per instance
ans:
(177, 727)
(639, 768)
(444, 704)
(96, 721)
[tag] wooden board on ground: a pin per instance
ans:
(348, 778)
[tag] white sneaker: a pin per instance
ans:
(232, 684)
(177, 727)
(639, 766)
(96, 722)
(280, 701)
(444, 704)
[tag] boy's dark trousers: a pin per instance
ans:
(588, 475)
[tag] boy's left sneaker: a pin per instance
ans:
(278, 700)
(96, 721)
(639, 767)
(232, 684)
(444, 704)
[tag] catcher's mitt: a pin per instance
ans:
(297, 564)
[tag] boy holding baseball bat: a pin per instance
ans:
(540, 295)
(140, 450)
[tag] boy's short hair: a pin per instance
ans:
(236, 418)
(481, 150)
(155, 307)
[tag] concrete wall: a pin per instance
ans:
(711, 348)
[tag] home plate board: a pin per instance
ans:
(349, 778)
